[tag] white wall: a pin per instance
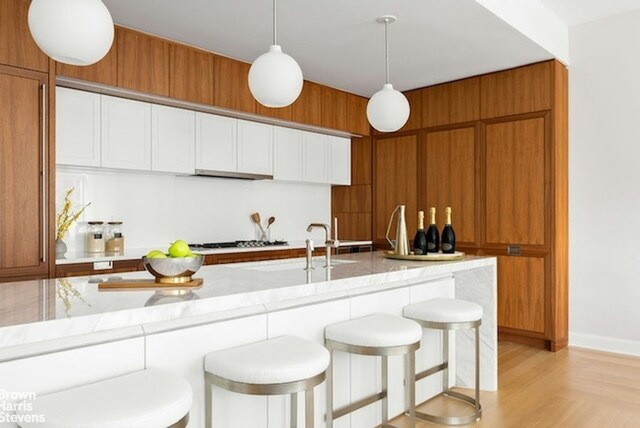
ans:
(157, 209)
(604, 197)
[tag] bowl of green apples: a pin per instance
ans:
(176, 266)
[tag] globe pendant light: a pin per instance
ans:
(275, 79)
(388, 109)
(76, 32)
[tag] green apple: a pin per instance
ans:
(179, 249)
(156, 254)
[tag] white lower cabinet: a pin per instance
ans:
(315, 157)
(77, 127)
(255, 148)
(339, 160)
(216, 142)
(172, 140)
(126, 134)
(287, 154)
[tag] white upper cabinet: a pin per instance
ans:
(172, 139)
(126, 134)
(315, 157)
(216, 142)
(77, 127)
(287, 154)
(339, 160)
(255, 148)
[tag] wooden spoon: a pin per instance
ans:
(256, 219)
(270, 221)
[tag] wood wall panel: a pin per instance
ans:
(17, 47)
(354, 226)
(515, 182)
(231, 87)
(447, 177)
(104, 71)
(334, 108)
(351, 199)
(395, 181)
(361, 149)
(143, 62)
(308, 107)
(520, 90)
(357, 115)
(415, 115)
(191, 74)
(284, 113)
(521, 293)
(450, 103)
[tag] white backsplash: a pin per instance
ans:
(157, 209)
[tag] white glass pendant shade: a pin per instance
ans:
(388, 109)
(275, 79)
(77, 32)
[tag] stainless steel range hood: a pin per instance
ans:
(229, 174)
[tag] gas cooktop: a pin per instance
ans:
(237, 244)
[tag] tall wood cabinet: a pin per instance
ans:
(494, 148)
(23, 173)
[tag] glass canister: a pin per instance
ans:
(115, 238)
(95, 237)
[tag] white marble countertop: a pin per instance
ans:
(74, 306)
(136, 253)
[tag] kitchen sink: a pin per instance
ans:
(294, 265)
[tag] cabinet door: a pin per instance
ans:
(334, 108)
(339, 160)
(143, 62)
(255, 147)
(17, 47)
(415, 113)
(216, 142)
(450, 103)
(23, 236)
(315, 158)
(191, 72)
(357, 122)
(77, 127)
(172, 139)
(231, 88)
(287, 154)
(515, 182)
(104, 71)
(447, 177)
(521, 296)
(126, 134)
(308, 107)
(396, 181)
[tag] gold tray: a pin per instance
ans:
(431, 257)
(148, 284)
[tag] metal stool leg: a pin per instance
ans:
(478, 372)
(445, 361)
(329, 386)
(410, 386)
(385, 388)
(308, 408)
(294, 410)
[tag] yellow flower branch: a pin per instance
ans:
(66, 218)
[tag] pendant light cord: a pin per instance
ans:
(275, 26)
(386, 48)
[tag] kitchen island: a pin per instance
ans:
(84, 334)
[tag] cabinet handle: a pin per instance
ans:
(514, 250)
(43, 172)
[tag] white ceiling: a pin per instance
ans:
(338, 43)
(574, 12)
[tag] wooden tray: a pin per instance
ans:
(148, 284)
(431, 257)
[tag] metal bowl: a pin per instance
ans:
(173, 270)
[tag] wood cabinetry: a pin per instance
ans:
(191, 74)
(415, 115)
(143, 62)
(520, 90)
(450, 103)
(308, 107)
(231, 87)
(334, 109)
(515, 182)
(395, 182)
(357, 115)
(17, 47)
(104, 71)
(23, 172)
(447, 176)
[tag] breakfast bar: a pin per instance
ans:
(84, 334)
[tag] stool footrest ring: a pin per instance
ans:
(453, 420)
(432, 370)
(358, 404)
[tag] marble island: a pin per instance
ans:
(92, 334)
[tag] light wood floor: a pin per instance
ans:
(571, 388)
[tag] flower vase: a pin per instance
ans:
(61, 248)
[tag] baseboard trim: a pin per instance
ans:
(603, 343)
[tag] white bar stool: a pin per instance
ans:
(147, 398)
(284, 365)
(447, 315)
(378, 335)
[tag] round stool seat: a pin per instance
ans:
(148, 398)
(280, 360)
(444, 311)
(377, 330)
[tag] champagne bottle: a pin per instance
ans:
(433, 236)
(448, 235)
(420, 240)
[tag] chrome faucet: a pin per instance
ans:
(328, 242)
(309, 255)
